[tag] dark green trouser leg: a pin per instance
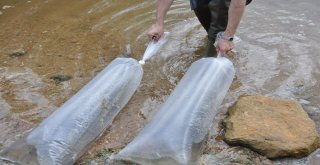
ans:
(213, 16)
(210, 50)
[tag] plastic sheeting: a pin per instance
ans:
(65, 135)
(176, 133)
(154, 47)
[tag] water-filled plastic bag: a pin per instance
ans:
(153, 47)
(66, 134)
(176, 133)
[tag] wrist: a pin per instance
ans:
(160, 23)
(222, 35)
(228, 32)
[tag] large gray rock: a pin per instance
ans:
(272, 127)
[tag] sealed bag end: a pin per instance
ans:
(133, 155)
(123, 159)
(141, 62)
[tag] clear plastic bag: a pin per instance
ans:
(176, 133)
(65, 135)
(154, 47)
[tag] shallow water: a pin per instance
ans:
(278, 56)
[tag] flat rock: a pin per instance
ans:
(272, 127)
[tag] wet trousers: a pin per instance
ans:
(213, 16)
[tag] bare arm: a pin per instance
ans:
(157, 29)
(162, 9)
(235, 13)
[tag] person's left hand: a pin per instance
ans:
(224, 46)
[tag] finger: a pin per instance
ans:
(150, 36)
(216, 46)
(232, 46)
(223, 52)
(220, 53)
(155, 38)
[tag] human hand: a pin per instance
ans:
(224, 46)
(155, 32)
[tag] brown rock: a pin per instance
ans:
(272, 127)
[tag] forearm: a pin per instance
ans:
(236, 11)
(162, 9)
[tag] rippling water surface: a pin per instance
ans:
(278, 56)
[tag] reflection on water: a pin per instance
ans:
(278, 56)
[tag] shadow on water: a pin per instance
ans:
(278, 56)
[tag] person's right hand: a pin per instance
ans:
(155, 32)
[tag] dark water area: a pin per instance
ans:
(49, 49)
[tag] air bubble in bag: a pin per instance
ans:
(176, 133)
(65, 135)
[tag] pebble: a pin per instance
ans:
(18, 53)
(60, 78)
(305, 102)
(6, 7)
(1, 13)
